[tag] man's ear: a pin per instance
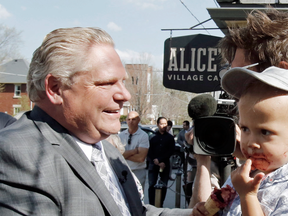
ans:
(52, 88)
(283, 64)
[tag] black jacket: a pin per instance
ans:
(161, 147)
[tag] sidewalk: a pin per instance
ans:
(171, 193)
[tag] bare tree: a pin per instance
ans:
(176, 105)
(140, 88)
(150, 98)
(9, 43)
(170, 103)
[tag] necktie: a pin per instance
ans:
(98, 159)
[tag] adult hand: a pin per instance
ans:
(202, 159)
(238, 153)
(243, 183)
(162, 165)
(189, 137)
(199, 210)
(156, 162)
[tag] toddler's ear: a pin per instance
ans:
(283, 64)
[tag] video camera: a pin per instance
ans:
(215, 135)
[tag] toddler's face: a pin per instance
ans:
(264, 129)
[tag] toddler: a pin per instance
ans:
(261, 182)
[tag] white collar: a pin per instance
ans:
(86, 148)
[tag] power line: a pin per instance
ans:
(193, 15)
(216, 3)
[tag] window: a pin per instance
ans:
(136, 81)
(16, 108)
(17, 90)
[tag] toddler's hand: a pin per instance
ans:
(243, 183)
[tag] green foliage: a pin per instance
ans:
(123, 118)
(2, 87)
(145, 121)
(25, 103)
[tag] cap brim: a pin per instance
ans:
(236, 80)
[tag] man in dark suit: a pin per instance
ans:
(162, 145)
(76, 80)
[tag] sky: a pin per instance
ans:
(135, 25)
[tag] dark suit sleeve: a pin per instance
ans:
(168, 150)
(6, 120)
(181, 138)
(151, 151)
(171, 146)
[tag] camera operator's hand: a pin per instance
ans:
(189, 137)
(238, 153)
(202, 159)
(202, 183)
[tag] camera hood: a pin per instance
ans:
(214, 135)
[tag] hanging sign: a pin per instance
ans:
(192, 63)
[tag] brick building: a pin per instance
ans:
(13, 97)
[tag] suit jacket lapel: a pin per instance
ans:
(87, 172)
(64, 143)
(119, 165)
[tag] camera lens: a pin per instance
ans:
(215, 135)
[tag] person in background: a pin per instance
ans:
(170, 131)
(162, 146)
(115, 140)
(169, 127)
(6, 119)
(136, 146)
(258, 45)
(181, 134)
(191, 165)
(55, 160)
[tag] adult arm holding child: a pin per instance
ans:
(202, 182)
(202, 177)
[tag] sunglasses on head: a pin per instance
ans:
(129, 139)
(227, 67)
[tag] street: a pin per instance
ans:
(171, 193)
